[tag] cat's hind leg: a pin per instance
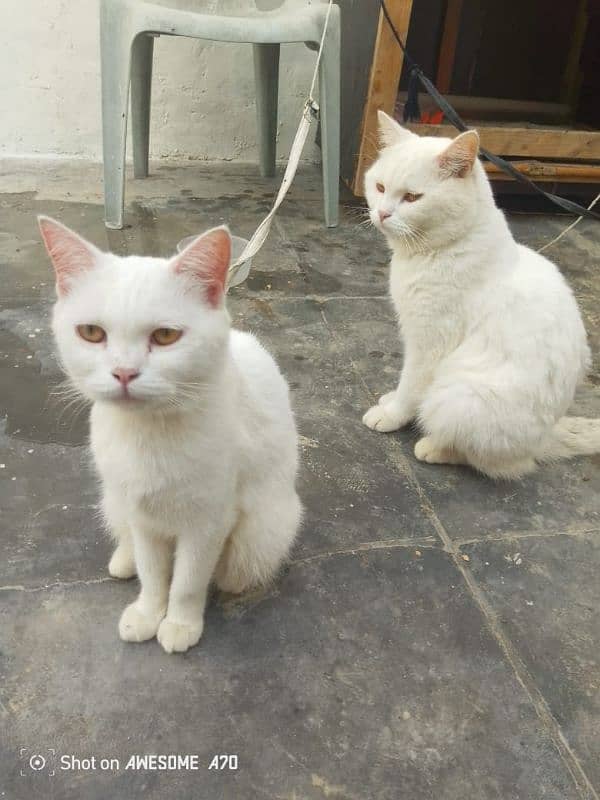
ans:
(260, 541)
(481, 420)
(504, 470)
(427, 449)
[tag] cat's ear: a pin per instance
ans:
(459, 157)
(206, 260)
(390, 131)
(69, 253)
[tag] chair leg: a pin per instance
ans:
(115, 53)
(266, 74)
(141, 87)
(329, 103)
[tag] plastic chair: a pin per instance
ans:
(127, 28)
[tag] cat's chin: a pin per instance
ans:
(127, 401)
(138, 405)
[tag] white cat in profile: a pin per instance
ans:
(191, 427)
(494, 344)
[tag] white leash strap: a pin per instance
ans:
(238, 272)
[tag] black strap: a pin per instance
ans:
(417, 73)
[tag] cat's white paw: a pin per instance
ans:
(176, 637)
(387, 398)
(122, 564)
(383, 419)
(427, 450)
(137, 625)
(233, 583)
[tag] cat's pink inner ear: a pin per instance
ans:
(207, 260)
(458, 158)
(69, 253)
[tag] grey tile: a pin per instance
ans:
(366, 673)
(51, 530)
(565, 494)
(368, 333)
(546, 592)
(349, 260)
(352, 492)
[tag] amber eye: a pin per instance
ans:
(92, 333)
(411, 197)
(165, 336)
(380, 187)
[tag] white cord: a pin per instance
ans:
(569, 227)
(321, 45)
(238, 270)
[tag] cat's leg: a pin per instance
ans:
(427, 449)
(506, 469)
(122, 561)
(393, 411)
(195, 559)
(479, 420)
(260, 541)
(153, 557)
(114, 508)
(398, 408)
(388, 397)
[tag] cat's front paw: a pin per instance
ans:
(139, 625)
(387, 398)
(122, 564)
(383, 418)
(177, 637)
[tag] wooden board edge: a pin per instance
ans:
(538, 142)
(384, 79)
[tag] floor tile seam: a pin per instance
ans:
(423, 543)
(526, 534)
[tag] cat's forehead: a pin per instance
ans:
(411, 159)
(129, 270)
(132, 276)
(128, 291)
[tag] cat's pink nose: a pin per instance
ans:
(383, 215)
(125, 376)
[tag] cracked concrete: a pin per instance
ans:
(435, 634)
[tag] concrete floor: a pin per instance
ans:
(435, 636)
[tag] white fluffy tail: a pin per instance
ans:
(572, 436)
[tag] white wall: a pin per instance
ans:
(203, 92)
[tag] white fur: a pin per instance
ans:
(494, 344)
(198, 469)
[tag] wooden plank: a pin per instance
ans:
(498, 108)
(448, 45)
(533, 142)
(543, 171)
(383, 83)
(546, 171)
